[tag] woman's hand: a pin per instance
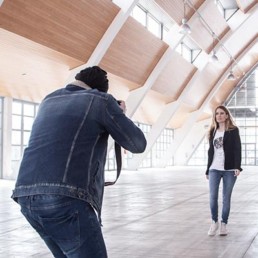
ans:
(237, 172)
(207, 177)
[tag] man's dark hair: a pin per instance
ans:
(95, 77)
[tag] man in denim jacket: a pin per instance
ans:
(60, 183)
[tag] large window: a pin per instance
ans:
(153, 157)
(111, 157)
(188, 50)
(128, 155)
(243, 105)
(152, 17)
(23, 115)
(227, 8)
(146, 163)
(244, 108)
(159, 148)
(161, 145)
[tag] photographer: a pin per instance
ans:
(60, 184)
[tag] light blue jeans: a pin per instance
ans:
(229, 179)
(68, 226)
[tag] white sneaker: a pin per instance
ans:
(213, 228)
(223, 229)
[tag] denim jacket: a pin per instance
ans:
(68, 145)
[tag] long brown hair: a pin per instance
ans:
(229, 123)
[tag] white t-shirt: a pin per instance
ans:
(218, 158)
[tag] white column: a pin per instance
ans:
(7, 137)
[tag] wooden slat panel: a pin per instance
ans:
(134, 52)
(70, 27)
(212, 21)
(200, 32)
(246, 5)
(29, 70)
(174, 77)
(175, 8)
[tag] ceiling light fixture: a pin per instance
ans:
(213, 57)
(185, 28)
(206, 25)
(231, 76)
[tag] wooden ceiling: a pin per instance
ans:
(43, 41)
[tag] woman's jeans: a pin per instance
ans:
(69, 227)
(229, 179)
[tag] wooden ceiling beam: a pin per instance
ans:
(106, 40)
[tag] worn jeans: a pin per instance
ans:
(69, 227)
(229, 180)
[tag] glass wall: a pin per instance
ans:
(188, 50)
(244, 108)
(243, 105)
(153, 157)
(23, 115)
(160, 147)
(128, 155)
(150, 16)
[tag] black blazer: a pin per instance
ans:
(232, 150)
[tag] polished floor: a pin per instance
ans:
(153, 214)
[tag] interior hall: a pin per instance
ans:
(173, 62)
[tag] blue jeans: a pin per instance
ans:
(69, 227)
(229, 180)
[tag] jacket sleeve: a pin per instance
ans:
(122, 129)
(237, 150)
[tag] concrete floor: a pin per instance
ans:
(153, 214)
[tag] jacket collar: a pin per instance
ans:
(79, 84)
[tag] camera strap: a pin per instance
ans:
(118, 163)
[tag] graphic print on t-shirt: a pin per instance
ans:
(218, 158)
(218, 142)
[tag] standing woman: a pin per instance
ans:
(224, 162)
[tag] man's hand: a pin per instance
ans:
(122, 105)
